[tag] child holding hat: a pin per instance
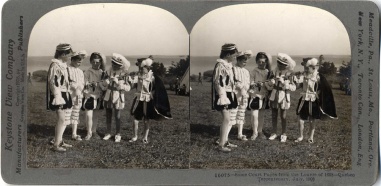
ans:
(316, 101)
(281, 86)
(151, 99)
(223, 96)
(58, 97)
(114, 96)
(93, 92)
(259, 93)
(77, 83)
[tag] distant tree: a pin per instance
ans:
(40, 75)
(158, 69)
(178, 69)
(327, 68)
(193, 78)
(346, 69)
(208, 74)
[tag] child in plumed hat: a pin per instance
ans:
(151, 99)
(223, 97)
(280, 85)
(114, 100)
(316, 101)
(57, 96)
(93, 92)
(259, 93)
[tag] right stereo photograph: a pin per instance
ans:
(270, 89)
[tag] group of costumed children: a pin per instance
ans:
(235, 90)
(70, 90)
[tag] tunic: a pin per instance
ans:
(114, 96)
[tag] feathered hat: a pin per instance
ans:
(310, 62)
(120, 60)
(147, 62)
(286, 60)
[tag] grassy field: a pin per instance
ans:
(331, 148)
(168, 146)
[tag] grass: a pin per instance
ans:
(331, 148)
(168, 146)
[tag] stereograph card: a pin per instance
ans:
(190, 92)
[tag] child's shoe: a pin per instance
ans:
(231, 145)
(254, 136)
(145, 141)
(299, 139)
(88, 137)
(133, 139)
(117, 138)
(283, 138)
(95, 136)
(59, 149)
(107, 137)
(273, 136)
(63, 144)
(76, 137)
(310, 140)
(224, 149)
(242, 137)
(261, 136)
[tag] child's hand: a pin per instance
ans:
(272, 82)
(114, 79)
(74, 85)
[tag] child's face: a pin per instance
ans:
(261, 63)
(116, 67)
(282, 66)
(95, 64)
(76, 62)
(309, 69)
(65, 57)
(241, 63)
(232, 57)
(144, 70)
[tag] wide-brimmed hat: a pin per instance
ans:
(81, 53)
(247, 53)
(286, 60)
(63, 47)
(229, 47)
(120, 60)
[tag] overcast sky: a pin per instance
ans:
(272, 28)
(128, 29)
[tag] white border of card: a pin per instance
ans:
(360, 19)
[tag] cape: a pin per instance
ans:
(160, 100)
(213, 89)
(48, 93)
(326, 100)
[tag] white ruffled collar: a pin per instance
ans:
(312, 76)
(59, 63)
(225, 63)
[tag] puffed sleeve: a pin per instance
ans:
(219, 84)
(55, 78)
